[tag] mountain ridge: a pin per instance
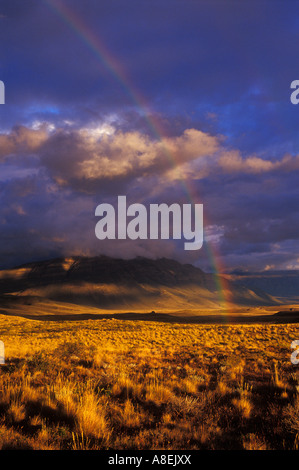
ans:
(106, 282)
(280, 283)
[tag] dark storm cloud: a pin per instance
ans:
(193, 52)
(75, 128)
(250, 204)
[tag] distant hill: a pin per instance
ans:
(142, 283)
(284, 284)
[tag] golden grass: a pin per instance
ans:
(114, 384)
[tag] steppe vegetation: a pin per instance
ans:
(114, 384)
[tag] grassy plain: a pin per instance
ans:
(121, 384)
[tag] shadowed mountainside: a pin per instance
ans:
(106, 283)
(283, 284)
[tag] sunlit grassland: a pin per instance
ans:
(116, 384)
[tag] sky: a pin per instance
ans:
(169, 101)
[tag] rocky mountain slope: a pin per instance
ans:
(105, 282)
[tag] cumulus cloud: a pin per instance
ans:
(233, 162)
(82, 158)
(22, 139)
(53, 178)
(85, 158)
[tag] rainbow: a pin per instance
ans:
(114, 67)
